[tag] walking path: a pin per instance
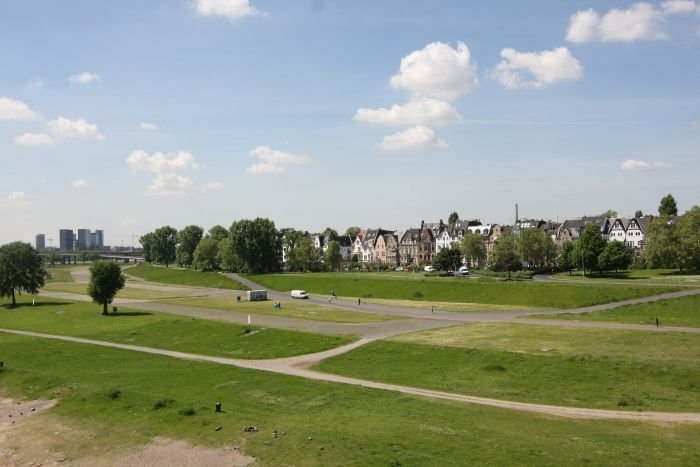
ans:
(296, 366)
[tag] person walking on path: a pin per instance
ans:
(432, 308)
(657, 322)
(358, 302)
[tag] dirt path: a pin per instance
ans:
(295, 367)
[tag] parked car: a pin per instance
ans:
(299, 294)
(399, 269)
(429, 269)
(463, 271)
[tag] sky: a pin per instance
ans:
(127, 116)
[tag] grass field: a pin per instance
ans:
(122, 398)
(457, 307)
(162, 331)
(178, 276)
(292, 309)
(126, 292)
(670, 276)
(406, 286)
(684, 311)
(600, 368)
(58, 274)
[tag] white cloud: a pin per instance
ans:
(231, 9)
(641, 21)
(11, 109)
(74, 129)
(679, 7)
(274, 161)
(148, 126)
(81, 184)
(84, 78)
(546, 67)
(422, 111)
(412, 138)
(170, 184)
(18, 199)
(33, 139)
(632, 165)
(212, 186)
(437, 71)
(160, 163)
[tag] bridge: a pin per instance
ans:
(71, 257)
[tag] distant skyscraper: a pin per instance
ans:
(65, 239)
(40, 242)
(83, 239)
(99, 240)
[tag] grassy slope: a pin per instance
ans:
(293, 309)
(319, 423)
(162, 330)
(126, 292)
(670, 276)
(684, 311)
(184, 277)
(418, 287)
(573, 367)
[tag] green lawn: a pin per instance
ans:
(670, 276)
(318, 423)
(58, 274)
(127, 292)
(162, 330)
(176, 276)
(407, 286)
(292, 309)
(599, 368)
(684, 311)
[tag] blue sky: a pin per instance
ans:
(125, 116)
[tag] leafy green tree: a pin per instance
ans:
(448, 259)
(106, 279)
(537, 248)
(218, 233)
(256, 243)
(304, 256)
(588, 247)
(352, 231)
(52, 258)
(333, 257)
(83, 256)
(473, 248)
(688, 234)
(330, 233)
(21, 270)
(566, 258)
(227, 257)
(615, 256)
(147, 242)
(164, 246)
(638, 213)
(609, 213)
(188, 239)
(505, 254)
(206, 254)
(454, 217)
(662, 244)
(668, 207)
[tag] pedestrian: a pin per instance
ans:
(432, 308)
(657, 322)
(358, 301)
(329, 298)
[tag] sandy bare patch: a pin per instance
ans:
(13, 411)
(164, 452)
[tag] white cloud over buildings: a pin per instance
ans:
(65, 128)
(16, 110)
(542, 68)
(412, 138)
(274, 162)
(33, 139)
(631, 165)
(84, 78)
(231, 9)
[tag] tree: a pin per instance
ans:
(83, 256)
(668, 207)
(448, 259)
(588, 247)
(304, 256)
(218, 233)
(615, 256)
(473, 248)
(352, 231)
(688, 234)
(609, 213)
(662, 245)
(164, 245)
(256, 243)
(52, 258)
(505, 254)
(106, 279)
(330, 234)
(206, 254)
(638, 213)
(536, 248)
(188, 239)
(566, 258)
(21, 270)
(227, 258)
(147, 242)
(454, 217)
(333, 257)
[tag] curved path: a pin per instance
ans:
(295, 367)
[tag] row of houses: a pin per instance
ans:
(415, 246)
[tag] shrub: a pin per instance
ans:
(629, 400)
(493, 367)
(113, 393)
(162, 403)
(417, 294)
(187, 411)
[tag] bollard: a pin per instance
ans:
(218, 407)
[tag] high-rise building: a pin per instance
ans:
(83, 239)
(99, 242)
(40, 242)
(65, 239)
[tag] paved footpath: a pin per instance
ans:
(296, 366)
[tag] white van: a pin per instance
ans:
(463, 271)
(428, 269)
(299, 294)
